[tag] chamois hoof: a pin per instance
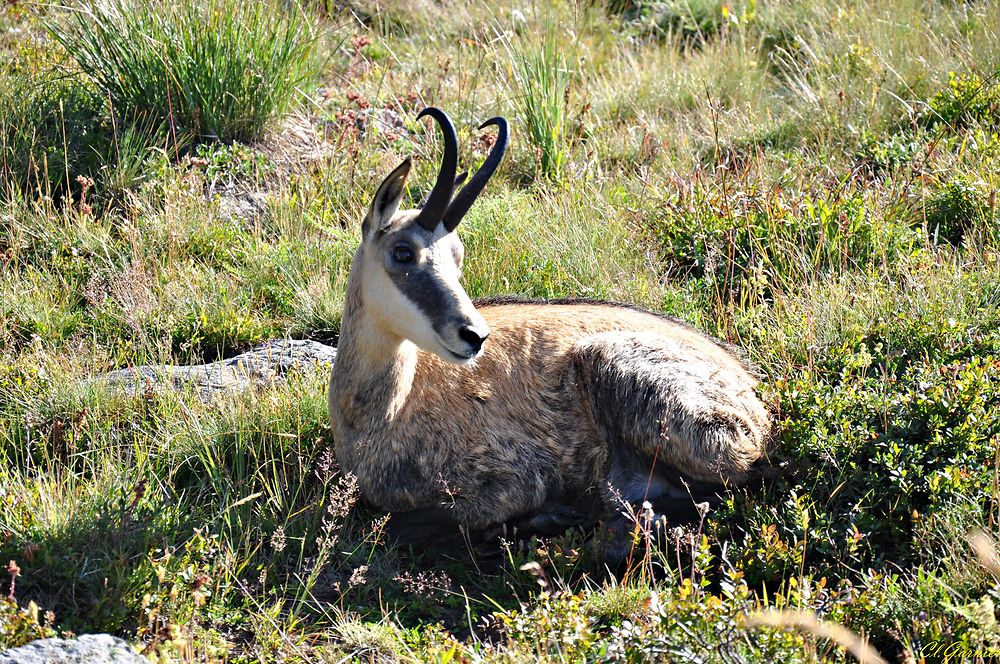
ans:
(551, 520)
(428, 527)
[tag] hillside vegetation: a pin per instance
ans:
(813, 182)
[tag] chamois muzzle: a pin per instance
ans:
(475, 336)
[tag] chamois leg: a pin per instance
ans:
(550, 519)
(436, 527)
(652, 399)
(423, 527)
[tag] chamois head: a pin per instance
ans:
(411, 260)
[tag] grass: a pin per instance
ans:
(47, 133)
(223, 70)
(812, 182)
(542, 85)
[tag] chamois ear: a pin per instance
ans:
(387, 199)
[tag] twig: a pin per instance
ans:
(806, 621)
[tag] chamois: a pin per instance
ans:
(542, 413)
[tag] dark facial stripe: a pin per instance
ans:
(426, 289)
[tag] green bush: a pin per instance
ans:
(58, 140)
(955, 209)
(51, 132)
(901, 458)
(741, 239)
(222, 69)
(967, 100)
(691, 21)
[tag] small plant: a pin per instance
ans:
(20, 625)
(222, 69)
(967, 100)
(956, 208)
(881, 155)
(174, 605)
(543, 78)
(232, 162)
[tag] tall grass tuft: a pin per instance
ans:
(542, 85)
(217, 69)
(50, 132)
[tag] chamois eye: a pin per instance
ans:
(402, 254)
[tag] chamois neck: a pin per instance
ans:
(374, 368)
(363, 342)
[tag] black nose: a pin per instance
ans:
(472, 337)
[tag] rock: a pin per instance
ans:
(384, 120)
(256, 368)
(244, 205)
(298, 146)
(88, 649)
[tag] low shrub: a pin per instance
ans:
(965, 101)
(956, 208)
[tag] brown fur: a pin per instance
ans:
(562, 400)
(532, 422)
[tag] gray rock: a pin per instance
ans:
(297, 147)
(383, 120)
(88, 649)
(257, 368)
(246, 205)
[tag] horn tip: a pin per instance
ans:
(495, 121)
(430, 110)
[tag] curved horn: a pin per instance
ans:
(459, 179)
(437, 202)
(465, 198)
